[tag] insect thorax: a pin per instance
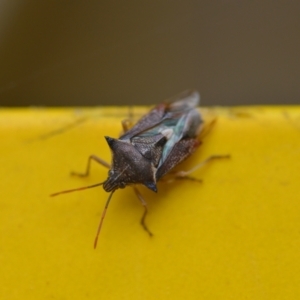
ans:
(133, 162)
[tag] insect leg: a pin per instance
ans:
(207, 129)
(184, 174)
(127, 123)
(190, 178)
(87, 172)
(144, 203)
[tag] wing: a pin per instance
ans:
(181, 120)
(166, 135)
(177, 106)
(181, 150)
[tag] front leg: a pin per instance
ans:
(87, 172)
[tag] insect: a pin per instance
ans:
(149, 150)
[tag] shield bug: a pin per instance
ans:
(151, 149)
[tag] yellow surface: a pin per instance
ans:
(235, 236)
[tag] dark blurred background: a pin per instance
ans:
(141, 52)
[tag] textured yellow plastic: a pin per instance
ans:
(234, 236)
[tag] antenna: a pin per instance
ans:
(102, 218)
(77, 189)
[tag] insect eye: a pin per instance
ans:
(122, 185)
